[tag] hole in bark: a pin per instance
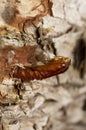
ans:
(79, 56)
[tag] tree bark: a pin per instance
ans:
(32, 32)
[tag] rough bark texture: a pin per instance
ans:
(31, 32)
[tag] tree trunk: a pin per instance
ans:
(32, 32)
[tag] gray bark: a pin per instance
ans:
(49, 30)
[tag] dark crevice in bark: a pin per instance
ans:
(45, 43)
(84, 105)
(80, 57)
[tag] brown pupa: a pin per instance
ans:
(54, 67)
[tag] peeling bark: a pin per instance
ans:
(21, 14)
(10, 57)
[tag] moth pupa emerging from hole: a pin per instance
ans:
(53, 67)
